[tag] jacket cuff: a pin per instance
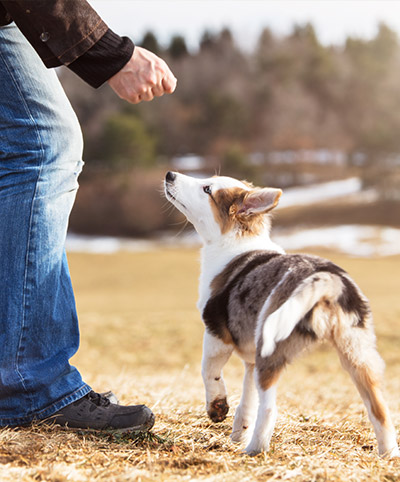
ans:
(107, 57)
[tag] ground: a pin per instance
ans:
(141, 336)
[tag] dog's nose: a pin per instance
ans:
(170, 176)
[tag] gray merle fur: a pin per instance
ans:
(241, 289)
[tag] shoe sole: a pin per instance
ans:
(144, 427)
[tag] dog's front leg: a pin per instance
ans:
(215, 354)
(245, 413)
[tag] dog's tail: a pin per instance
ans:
(279, 324)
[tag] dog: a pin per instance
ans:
(268, 306)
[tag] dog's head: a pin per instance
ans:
(219, 206)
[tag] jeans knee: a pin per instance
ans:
(72, 137)
(63, 140)
(62, 155)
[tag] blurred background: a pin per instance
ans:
(301, 95)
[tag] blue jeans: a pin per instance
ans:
(40, 160)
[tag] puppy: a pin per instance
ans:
(268, 306)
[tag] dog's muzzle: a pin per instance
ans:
(170, 189)
(168, 184)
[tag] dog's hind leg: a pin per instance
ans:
(359, 356)
(268, 370)
(246, 411)
(215, 354)
(265, 423)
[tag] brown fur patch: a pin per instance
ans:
(268, 378)
(226, 204)
(371, 385)
(226, 337)
(223, 204)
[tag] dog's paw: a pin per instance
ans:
(254, 449)
(251, 452)
(392, 453)
(218, 409)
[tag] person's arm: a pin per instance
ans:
(59, 30)
(71, 33)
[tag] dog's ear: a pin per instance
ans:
(260, 201)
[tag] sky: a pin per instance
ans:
(333, 20)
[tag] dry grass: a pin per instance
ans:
(142, 336)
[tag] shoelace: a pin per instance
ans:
(98, 399)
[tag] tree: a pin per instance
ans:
(371, 94)
(127, 142)
(150, 42)
(235, 162)
(208, 41)
(177, 48)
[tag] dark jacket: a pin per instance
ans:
(71, 33)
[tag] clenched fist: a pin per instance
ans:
(144, 77)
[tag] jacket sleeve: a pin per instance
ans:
(104, 59)
(66, 32)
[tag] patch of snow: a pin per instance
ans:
(310, 194)
(353, 240)
(105, 244)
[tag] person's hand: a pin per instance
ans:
(144, 77)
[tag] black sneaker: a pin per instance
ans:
(95, 411)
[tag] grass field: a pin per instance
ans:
(142, 338)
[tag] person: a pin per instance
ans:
(40, 161)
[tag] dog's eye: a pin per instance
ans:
(207, 189)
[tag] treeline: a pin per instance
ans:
(288, 93)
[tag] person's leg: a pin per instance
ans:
(40, 160)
